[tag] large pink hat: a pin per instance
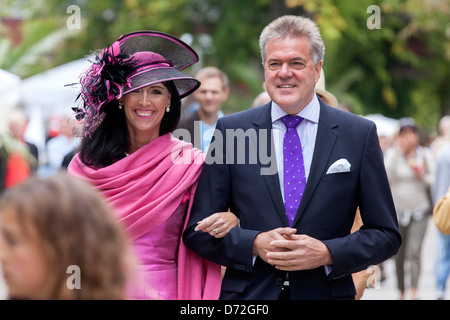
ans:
(135, 60)
(158, 57)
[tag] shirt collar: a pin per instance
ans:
(310, 112)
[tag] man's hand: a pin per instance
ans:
(262, 243)
(288, 251)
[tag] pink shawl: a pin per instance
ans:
(146, 188)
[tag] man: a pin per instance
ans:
(213, 92)
(279, 252)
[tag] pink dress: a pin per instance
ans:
(156, 276)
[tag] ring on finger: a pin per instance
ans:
(215, 231)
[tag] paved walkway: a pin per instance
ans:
(427, 283)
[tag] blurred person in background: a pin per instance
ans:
(261, 99)
(17, 125)
(62, 226)
(441, 149)
(131, 103)
(210, 96)
(15, 160)
(64, 143)
(410, 169)
(444, 135)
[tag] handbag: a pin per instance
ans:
(441, 214)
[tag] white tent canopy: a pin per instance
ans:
(45, 94)
(387, 127)
(9, 87)
(9, 96)
(48, 91)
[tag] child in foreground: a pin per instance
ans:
(61, 240)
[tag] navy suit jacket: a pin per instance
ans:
(326, 212)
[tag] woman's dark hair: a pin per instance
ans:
(170, 120)
(109, 141)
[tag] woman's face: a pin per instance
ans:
(408, 140)
(144, 110)
(25, 268)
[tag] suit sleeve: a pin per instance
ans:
(378, 239)
(212, 195)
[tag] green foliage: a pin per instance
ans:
(401, 69)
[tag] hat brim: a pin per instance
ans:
(171, 48)
(331, 99)
(185, 85)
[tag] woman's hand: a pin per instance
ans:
(218, 224)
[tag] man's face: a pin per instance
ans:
(211, 94)
(290, 73)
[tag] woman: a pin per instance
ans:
(62, 242)
(132, 102)
(411, 172)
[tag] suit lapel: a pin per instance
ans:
(325, 140)
(263, 125)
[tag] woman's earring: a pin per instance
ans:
(168, 108)
(120, 106)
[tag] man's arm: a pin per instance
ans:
(212, 195)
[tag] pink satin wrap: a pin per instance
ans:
(146, 188)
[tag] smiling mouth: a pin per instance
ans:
(283, 86)
(145, 113)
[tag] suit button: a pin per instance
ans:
(278, 281)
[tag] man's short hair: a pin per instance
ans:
(293, 26)
(212, 72)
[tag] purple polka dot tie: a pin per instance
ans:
(294, 169)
